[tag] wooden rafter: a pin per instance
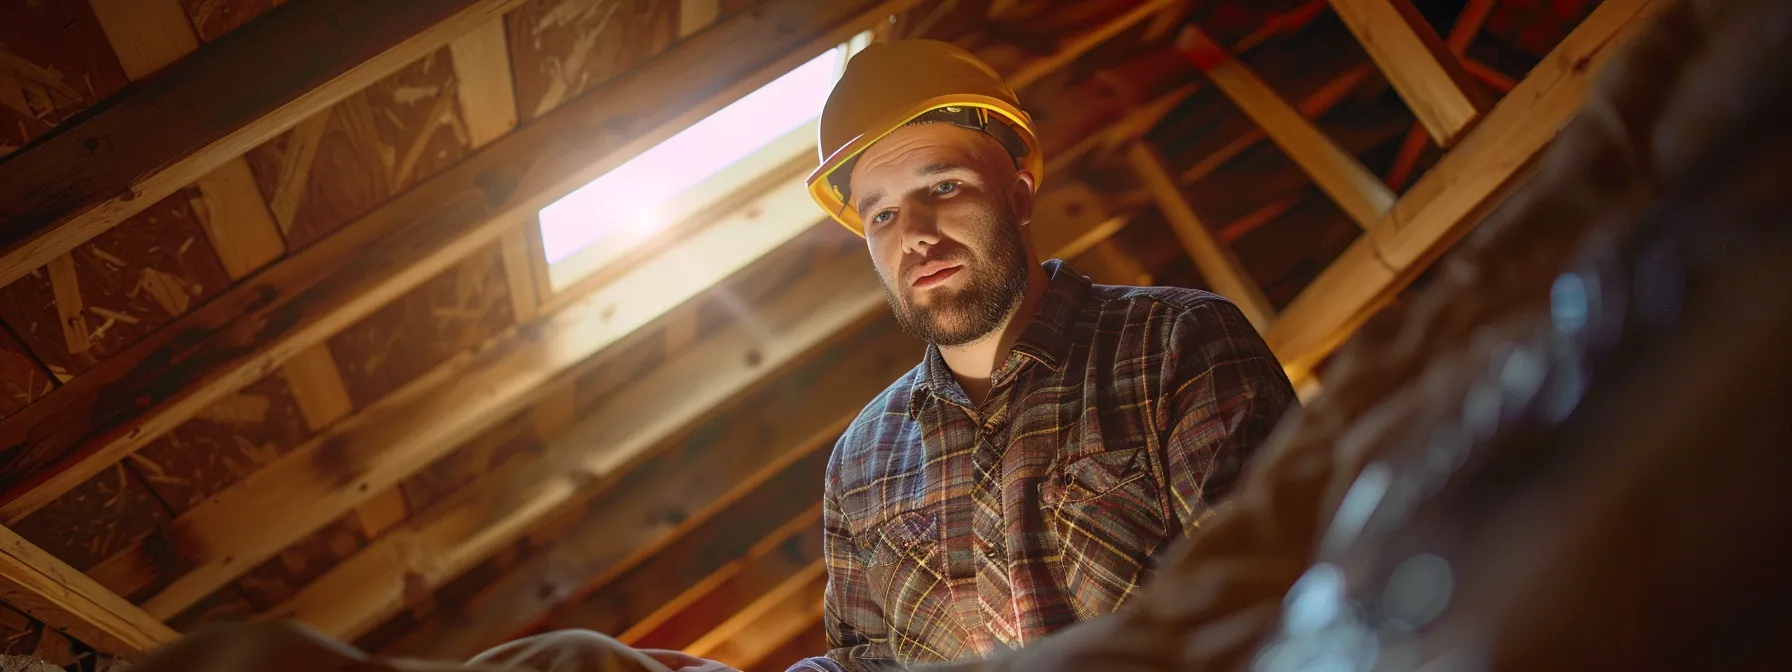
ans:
(1216, 262)
(308, 296)
(1418, 63)
(1462, 34)
(1357, 191)
(744, 640)
(1451, 198)
(53, 592)
(704, 606)
(204, 111)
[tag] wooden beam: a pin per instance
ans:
(1216, 262)
(1462, 34)
(51, 591)
(1418, 63)
(658, 407)
(1453, 196)
(201, 112)
(730, 589)
(1073, 48)
(782, 614)
(340, 469)
(231, 341)
(1357, 191)
(1313, 106)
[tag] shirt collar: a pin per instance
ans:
(1047, 339)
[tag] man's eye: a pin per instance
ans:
(883, 216)
(945, 188)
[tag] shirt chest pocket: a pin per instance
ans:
(905, 569)
(1106, 512)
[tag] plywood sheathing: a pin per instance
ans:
(458, 309)
(54, 62)
(331, 168)
(213, 18)
(132, 279)
(107, 513)
(561, 48)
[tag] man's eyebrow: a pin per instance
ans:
(938, 167)
(869, 199)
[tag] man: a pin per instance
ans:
(1056, 434)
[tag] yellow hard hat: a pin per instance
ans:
(890, 84)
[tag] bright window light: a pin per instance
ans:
(634, 201)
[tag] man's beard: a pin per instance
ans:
(995, 288)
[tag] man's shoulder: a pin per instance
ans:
(881, 426)
(1181, 302)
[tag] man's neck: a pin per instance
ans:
(973, 364)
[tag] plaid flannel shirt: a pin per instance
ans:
(953, 529)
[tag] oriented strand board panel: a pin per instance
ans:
(133, 279)
(54, 62)
(110, 511)
(334, 167)
(456, 310)
(223, 443)
(561, 48)
(22, 381)
(214, 18)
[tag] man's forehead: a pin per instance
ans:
(922, 150)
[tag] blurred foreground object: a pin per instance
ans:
(1571, 450)
(289, 647)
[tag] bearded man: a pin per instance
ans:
(1056, 434)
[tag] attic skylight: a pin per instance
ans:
(734, 149)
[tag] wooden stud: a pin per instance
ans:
(519, 272)
(311, 294)
(147, 35)
(65, 285)
(237, 221)
(695, 15)
(1217, 263)
(1462, 34)
(53, 592)
(138, 150)
(1452, 197)
(1358, 192)
(487, 94)
(1417, 63)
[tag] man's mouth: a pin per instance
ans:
(933, 273)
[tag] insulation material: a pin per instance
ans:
(458, 309)
(109, 512)
(339, 164)
(54, 62)
(213, 18)
(562, 48)
(224, 442)
(132, 279)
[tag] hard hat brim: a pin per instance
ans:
(831, 200)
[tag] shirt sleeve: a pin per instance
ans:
(1225, 391)
(857, 634)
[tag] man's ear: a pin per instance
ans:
(1022, 196)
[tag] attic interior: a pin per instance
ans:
(360, 335)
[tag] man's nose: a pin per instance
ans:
(920, 230)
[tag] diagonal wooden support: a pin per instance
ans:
(1357, 191)
(1454, 196)
(1417, 63)
(53, 592)
(1462, 34)
(1216, 262)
